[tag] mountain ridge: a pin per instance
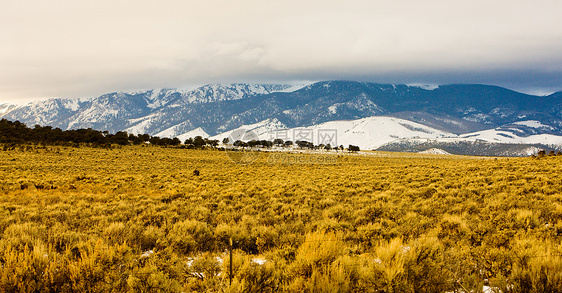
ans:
(214, 109)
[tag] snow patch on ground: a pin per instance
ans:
(434, 151)
(259, 261)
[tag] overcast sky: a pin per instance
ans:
(85, 48)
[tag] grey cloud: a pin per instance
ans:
(85, 48)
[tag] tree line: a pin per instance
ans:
(18, 133)
(301, 144)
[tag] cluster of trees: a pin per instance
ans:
(252, 143)
(542, 154)
(18, 133)
(308, 145)
(302, 144)
(199, 142)
(353, 148)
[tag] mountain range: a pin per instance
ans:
(370, 115)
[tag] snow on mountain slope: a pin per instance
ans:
(264, 129)
(533, 124)
(367, 133)
(147, 111)
(159, 97)
(295, 87)
(193, 133)
(46, 112)
(428, 87)
(216, 92)
(141, 125)
(360, 103)
(101, 110)
(176, 130)
(6, 108)
(372, 132)
(501, 136)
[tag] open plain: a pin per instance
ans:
(139, 219)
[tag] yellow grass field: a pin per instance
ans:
(137, 219)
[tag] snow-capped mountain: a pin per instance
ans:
(151, 112)
(485, 113)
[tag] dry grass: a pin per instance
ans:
(76, 218)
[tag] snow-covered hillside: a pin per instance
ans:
(372, 132)
(503, 141)
(500, 136)
(367, 133)
(193, 133)
(264, 129)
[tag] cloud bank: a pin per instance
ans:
(64, 48)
